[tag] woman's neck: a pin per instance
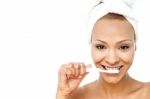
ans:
(121, 88)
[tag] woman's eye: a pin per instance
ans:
(124, 47)
(100, 47)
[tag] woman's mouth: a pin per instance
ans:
(111, 68)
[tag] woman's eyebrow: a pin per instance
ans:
(126, 40)
(101, 41)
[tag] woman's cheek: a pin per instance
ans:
(127, 57)
(97, 55)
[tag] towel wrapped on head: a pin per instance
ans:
(121, 7)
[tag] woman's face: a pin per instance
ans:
(113, 46)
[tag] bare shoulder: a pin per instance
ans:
(146, 90)
(83, 92)
(147, 86)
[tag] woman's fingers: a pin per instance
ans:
(70, 76)
(73, 70)
(77, 69)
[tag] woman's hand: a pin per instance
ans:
(70, 76)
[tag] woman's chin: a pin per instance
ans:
(112, 78)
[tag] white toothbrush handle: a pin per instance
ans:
(100, 70)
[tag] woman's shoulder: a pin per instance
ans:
(147, 85)
(144, 86)
(83, 91)
(146, 89)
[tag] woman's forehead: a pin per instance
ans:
(108, 28)
(108, 23)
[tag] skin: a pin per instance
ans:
(112, 44)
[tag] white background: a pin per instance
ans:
(37, 36)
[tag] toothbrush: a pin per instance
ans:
(101, 70)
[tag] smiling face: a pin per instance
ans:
(113, 47)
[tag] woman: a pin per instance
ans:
(113, 44)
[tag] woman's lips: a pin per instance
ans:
(110, 67)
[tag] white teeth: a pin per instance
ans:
(112, 68)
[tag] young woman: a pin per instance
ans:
(113, 44)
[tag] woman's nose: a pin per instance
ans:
(112, 57)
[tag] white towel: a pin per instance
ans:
(122, 7)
